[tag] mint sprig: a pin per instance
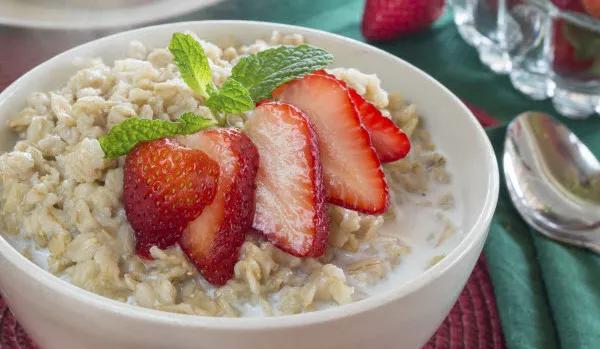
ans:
(264, 71)
(232, 98)
(192, 62)
(124, 136)
(253, 79)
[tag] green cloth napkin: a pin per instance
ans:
(548, 295)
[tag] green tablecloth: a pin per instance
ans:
(548, 295)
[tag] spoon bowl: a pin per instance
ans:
(553, 180)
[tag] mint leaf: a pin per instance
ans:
(192, 63)
(254, 77)
(232, 97)
(124, 136)
(261, 73)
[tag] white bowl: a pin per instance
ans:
(59, 315)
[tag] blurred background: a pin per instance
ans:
(32, 31)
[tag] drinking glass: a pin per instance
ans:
(549, 52)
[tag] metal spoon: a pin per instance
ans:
(553, 180)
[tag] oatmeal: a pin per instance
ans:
(61, 198)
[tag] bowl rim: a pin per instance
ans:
(469, 241)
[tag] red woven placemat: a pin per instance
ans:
(473, 323)
(12, 335)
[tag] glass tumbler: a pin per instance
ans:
(549, 52)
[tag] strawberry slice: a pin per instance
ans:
(165, 186)
(389, 141)
(213, 240)
(290, 196)
(351, 169)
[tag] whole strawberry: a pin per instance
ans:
(570, 5)
(592, 7)
(165, 186)
(566, 59)
(387, 19)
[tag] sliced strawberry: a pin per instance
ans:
(165, 186)
(290, 196)
(351, 169)
(213, 240)
(389, 141)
